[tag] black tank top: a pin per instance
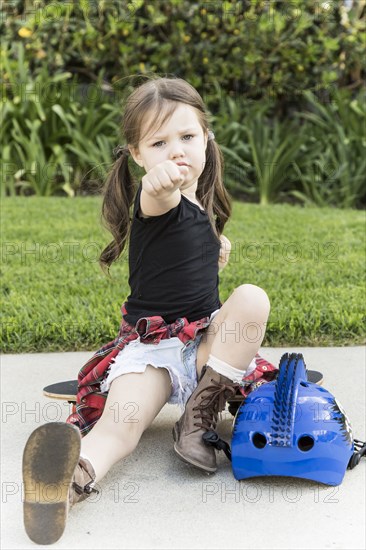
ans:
(173, 263)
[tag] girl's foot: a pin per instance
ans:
(200, 416)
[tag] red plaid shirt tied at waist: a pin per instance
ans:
(90, 401)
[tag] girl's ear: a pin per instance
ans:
(135, 154)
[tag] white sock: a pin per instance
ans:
(236, 375)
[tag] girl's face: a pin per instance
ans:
(180, 139)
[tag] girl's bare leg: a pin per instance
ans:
(228, 346)
(133, 401)
(236, 333)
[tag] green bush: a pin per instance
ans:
(53, 139)
(317, 156)
(258, 153)
(256, 48)
(286, 131)
(333, 169)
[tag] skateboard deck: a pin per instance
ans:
(67, 390)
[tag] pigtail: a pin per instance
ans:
(119, 192)
(211, 190)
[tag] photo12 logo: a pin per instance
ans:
(50, 493)
(252, 492)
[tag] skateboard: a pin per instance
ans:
(67, 390)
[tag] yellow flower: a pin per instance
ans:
(142, 67)
(205, 60)
(125, 32)
(203, 11)
(24, 32)
(186, 38)
(40, 54)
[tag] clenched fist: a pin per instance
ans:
(164, 177)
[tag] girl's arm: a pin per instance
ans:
(224, 251)
(160, 188)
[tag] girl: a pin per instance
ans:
(177, 343)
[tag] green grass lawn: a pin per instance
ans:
(311, 262)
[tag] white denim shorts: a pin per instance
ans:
(172, 354)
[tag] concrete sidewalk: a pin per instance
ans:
(153, 500)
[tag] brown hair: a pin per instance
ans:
(160, 94)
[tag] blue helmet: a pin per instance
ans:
(292, 427)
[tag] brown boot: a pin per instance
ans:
(82, 482)
(51, 460)
(200, 416)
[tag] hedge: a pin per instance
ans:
(254, 48)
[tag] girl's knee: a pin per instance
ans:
(252, 295)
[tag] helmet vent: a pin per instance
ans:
(259, 440)
(291, 373)
(305, 443)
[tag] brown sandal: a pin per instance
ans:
(50, 457)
